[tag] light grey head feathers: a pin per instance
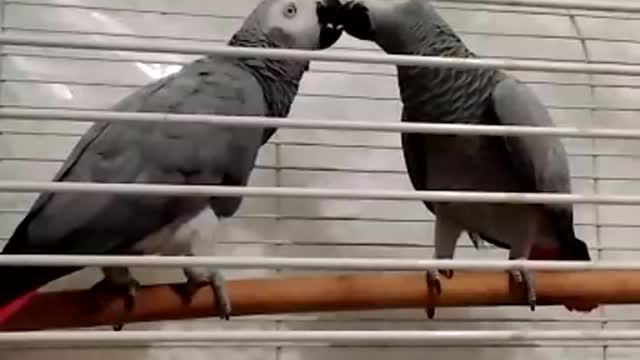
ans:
(395, 25)
(296, 24)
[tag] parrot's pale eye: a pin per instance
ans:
(290, 10)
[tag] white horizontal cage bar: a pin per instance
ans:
(314, 193)
(166, 61)
(300, 123)
(331, 56)
(261, 262)
(544, 8)
(604, 6)
(613, 6)
(137, 84)
(216, 39)
(369, 337)
(296, 143)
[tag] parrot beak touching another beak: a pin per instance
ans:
(356, 20)
(329, 18)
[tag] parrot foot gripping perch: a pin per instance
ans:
(433, 284)
(127, 290)
(521, 277)
(524, 278)
(198, 278)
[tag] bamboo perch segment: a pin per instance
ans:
(366, 291)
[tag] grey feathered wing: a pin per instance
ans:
(78, 150)
(413, 152)
(76, 223)
(540, 160)
(413, 149)
(21, 280)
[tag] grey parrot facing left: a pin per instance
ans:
(472, 163)
(189, 153)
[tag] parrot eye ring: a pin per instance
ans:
(290, 10)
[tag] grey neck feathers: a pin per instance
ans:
(280, 79)
(436, 94)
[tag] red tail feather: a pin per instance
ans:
(13, 307)
(550, 253)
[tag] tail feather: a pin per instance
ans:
(18, 285)
(14, 306)
(571, 247)
(575, 250)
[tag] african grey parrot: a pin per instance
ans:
(472, 163)
(189, 153)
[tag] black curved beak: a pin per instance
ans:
(356, 20)
(329, 17)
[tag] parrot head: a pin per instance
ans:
(298, 24)
(385, 22)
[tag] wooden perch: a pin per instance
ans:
(365, 291)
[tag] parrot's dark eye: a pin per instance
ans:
(290, 10)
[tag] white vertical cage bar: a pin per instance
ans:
(594, 145)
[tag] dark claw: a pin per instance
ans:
(187, 290)
(431, 312)
(433, 285)
(126, 291)
(223, 304)
(475, 239)
(525, 279)
(433, 282)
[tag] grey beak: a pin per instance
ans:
(330, 25)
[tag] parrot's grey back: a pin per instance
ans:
(173, 152)
(472, 96)
(160, 152)
(438, 162)
(183, 153)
